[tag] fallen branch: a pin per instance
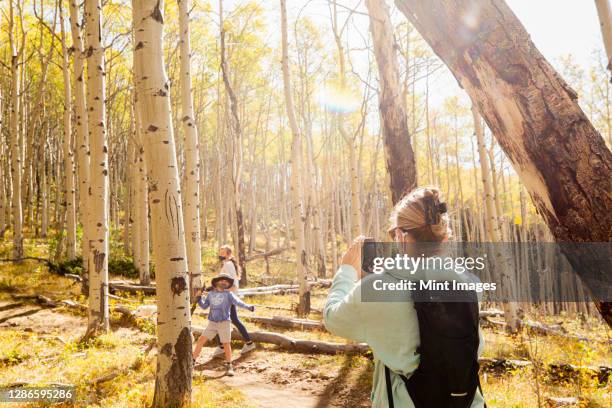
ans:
(286, 322)
(131, 287)
(291, 344)
(281, 289)
(20, 314)
(282, 321)
(29, 258)
(542, 329)
(20, 384)
(9, 306)
(246, 292)
(562, 401)
(555, 370)
(268, 254)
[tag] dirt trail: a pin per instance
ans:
(268, 378)
(265, 395)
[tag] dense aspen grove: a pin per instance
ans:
(140, 136)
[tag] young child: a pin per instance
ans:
(220, 301)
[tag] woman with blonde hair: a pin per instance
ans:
(391, 327)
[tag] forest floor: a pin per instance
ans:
(40, 345)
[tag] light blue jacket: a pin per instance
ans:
(220, 303)
(390, 328)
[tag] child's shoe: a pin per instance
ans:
(229, 370)
(247, 348)
(218, 352)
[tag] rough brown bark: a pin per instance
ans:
(398, 150)
(237, 133)
(559, 156)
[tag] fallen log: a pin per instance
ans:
(280, 289)
(249, 293)
(286, 322)
(562, 401)
(130, 287)
(44, 301)
(20, 314)
(268, 254)
(282, 321)
(10, 306)
(555, 370)
(288, 309)
(542, 329)
(291, 344)
(491, 313)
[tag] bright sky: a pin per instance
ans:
(560, 27)
(557, 27)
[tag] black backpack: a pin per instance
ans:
(447, 376)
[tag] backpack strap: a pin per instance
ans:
(389, 387)
(481, 393)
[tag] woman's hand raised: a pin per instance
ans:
(352, 256)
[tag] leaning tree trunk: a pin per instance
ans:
(98, 191)
(82, 136)
(191, 209)
(398, 150)
(174, 361)
(236, 175)
(296, 188)
(69, 189)
(605, 22)
(559, 156)
(16, 152)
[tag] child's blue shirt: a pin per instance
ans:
(220, 304)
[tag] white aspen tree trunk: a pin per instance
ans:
(82, 136)
(174, 340)
(132, 176)
(16, 151)
(98, 191)
(220, 218)
(296, 188)
(493, 233)
(44, 193)
(191, 205)
(499, 214)
(127, 206)
(2, 179)
(355, 226)
(604, 12)
(69, 189)
(141, 201)
(461, 218)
